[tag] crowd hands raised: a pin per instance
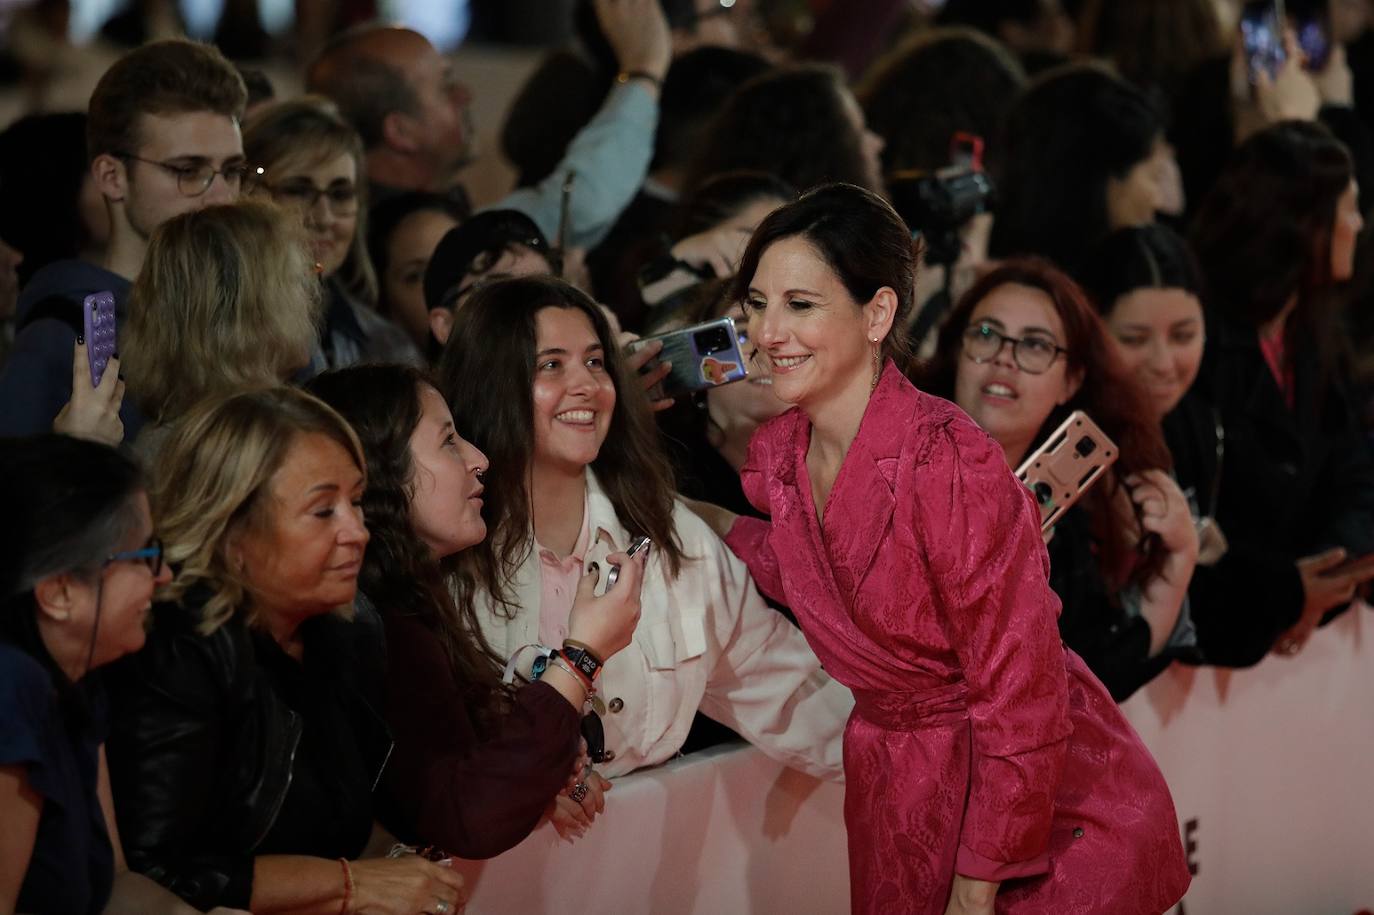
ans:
(360, 447)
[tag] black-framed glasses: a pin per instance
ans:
(194, 179)
(1034, 353)
(150, 555)
(341, 198)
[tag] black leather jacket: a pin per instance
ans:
(203, 747)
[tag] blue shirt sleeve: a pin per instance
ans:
(610, 156)
(27, 708)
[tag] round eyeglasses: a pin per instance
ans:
(150, 555)
(1033, 353)
(342, 199)
(194, 178)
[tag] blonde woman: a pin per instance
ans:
(226, 300)
(308, 159)
(245, 743)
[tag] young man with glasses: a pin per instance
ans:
(163, 139)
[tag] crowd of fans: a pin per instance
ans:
(274, 593)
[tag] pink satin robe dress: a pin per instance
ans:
(979, 744)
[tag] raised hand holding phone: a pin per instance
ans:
(93, 411)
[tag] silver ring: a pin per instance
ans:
(441, 908)
(578, 793)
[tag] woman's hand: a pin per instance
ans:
(1163, 510)
(1328, 581)
(405, 886)
(642, 356)
(971, 897)
(93, 412)
(607, 623)
(720, 249)
(1335, 82)
(1292, 94)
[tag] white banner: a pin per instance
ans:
(1272, 771)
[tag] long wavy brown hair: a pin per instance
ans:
(486, 373)
(1108, 394)
(399, 575)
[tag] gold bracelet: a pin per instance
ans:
(624, 76)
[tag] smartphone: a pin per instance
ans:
(703, 356)
(1062, 469)
(98, 315)
(640, 543)
(1314, 37)
(1261, 29)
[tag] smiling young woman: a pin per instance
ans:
(536, 381)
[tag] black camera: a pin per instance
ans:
(936, 205)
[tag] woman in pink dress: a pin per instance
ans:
(987, 770)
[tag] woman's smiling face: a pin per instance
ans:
(573, 395)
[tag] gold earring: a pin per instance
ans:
(877, 363)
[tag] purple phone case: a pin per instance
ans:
(99, 315)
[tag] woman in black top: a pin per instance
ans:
(1276, 240)
(1148, 286)
(476, 763)
(1019, 352)
(247, 739)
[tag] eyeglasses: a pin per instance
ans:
(150, 555)
(342, 199)
(1034, 353)
(195, 179)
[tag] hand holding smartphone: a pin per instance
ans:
(1261, 28)
(640, 543)
(1062, 469)
(98, 316)
(703, 356)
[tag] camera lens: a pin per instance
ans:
(1085, 446)
(712, 341)
(1044, 493)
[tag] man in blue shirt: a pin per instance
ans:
(413, 115)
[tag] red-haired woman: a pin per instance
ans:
(1022, 350)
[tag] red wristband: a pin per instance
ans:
(347, 905)
(571, 668)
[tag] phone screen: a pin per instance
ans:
(1315, 40)
(1262, 32)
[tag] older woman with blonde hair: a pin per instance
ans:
(309, 159)
(245, 743)
(226, 301)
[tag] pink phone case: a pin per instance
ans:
(1063, 468)
(99, 316)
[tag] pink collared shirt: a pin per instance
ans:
(558, 584)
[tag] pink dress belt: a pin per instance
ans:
(914, 710)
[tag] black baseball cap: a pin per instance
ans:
(484, 236)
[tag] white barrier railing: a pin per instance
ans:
(1272, 771)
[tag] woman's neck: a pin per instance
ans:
(835, 422)
(284, 628)
(68, 652)
(1015, 451)
(1273, 328)
(558, 495)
